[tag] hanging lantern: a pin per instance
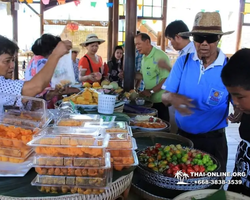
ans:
(72, 27)
(77, 2)
(93, 4)
(139, 6)
(29, 1)
(46, 2)
(109, 5)
(154, 21)
(60, 2)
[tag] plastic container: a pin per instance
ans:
(106, 103)
(70, 137)
(76, 171)
(67, 189)
(18, 137)
(68, 161)
(75, 181)
(14, 152)
(120, 163)
(76, 120)
(130, 143)
(14, 159)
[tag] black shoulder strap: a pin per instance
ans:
(186, 59)
(90, 66)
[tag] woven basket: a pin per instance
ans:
(116, 189)
(106, 103)
(204, 193)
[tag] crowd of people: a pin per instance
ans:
(200, 86)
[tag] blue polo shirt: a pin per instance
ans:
(205, 87)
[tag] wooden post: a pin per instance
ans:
(164, 22)
(240, 23)
(115, 27)
(129, 69)
(15, 35)
(41, 17)
(110, 46)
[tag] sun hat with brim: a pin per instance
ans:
(76, 49)
(92, 38)
(206, 23)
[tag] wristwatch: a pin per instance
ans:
(152, 91)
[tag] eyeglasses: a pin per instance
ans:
(209, 38)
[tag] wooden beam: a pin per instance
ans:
(164, 22)
(41, 17)
(80, 22)
(240, 23)
(15, 34)
(115, 24)
(110, 46)
(31, 8)
(65, 22)
(129, 68)
(143, 18)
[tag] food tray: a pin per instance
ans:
(14, 152)
(122, 144)
(68, 137)
(68, 189)
(123, 151)
(14, 159)
(76, 120)
(41, 180)
(82, 152)
(83, 172)
(15, 139)
(120, 163)
(68, 161)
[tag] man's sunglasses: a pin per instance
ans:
(208, 38)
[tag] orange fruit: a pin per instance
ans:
(96, 85)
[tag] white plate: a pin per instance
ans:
(8, 169)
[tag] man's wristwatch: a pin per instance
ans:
(152, 91)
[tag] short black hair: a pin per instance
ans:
(236, 73)
(7, 46)
(144, 37)
(44, 45)
(175, 28)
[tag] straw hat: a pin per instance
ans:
(206, 23)
(92, 38)
(76, 49)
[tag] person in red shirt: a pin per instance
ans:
(91, 67)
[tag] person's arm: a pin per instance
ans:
(157, 88)
(42, 79)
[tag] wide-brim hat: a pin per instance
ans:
(76, 49)
(92, 38)
(206, 23)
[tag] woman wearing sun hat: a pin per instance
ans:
(195, 89)
(91, 67)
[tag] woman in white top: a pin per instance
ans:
(8, 52)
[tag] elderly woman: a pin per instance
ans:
(196, 91)
(91, 67)
(39, 82)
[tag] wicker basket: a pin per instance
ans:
(106, 103)
(116, 189)
(204, 193)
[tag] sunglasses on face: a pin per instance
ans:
(208, 38)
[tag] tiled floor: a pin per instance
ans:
(233, 140)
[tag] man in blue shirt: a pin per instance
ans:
(196, 91)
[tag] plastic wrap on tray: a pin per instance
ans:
(120, 163)
(67, 189)
(15, 152)
(76, 120)
(100, 182)
(71, 137)
(12, 136)
(117, 126)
